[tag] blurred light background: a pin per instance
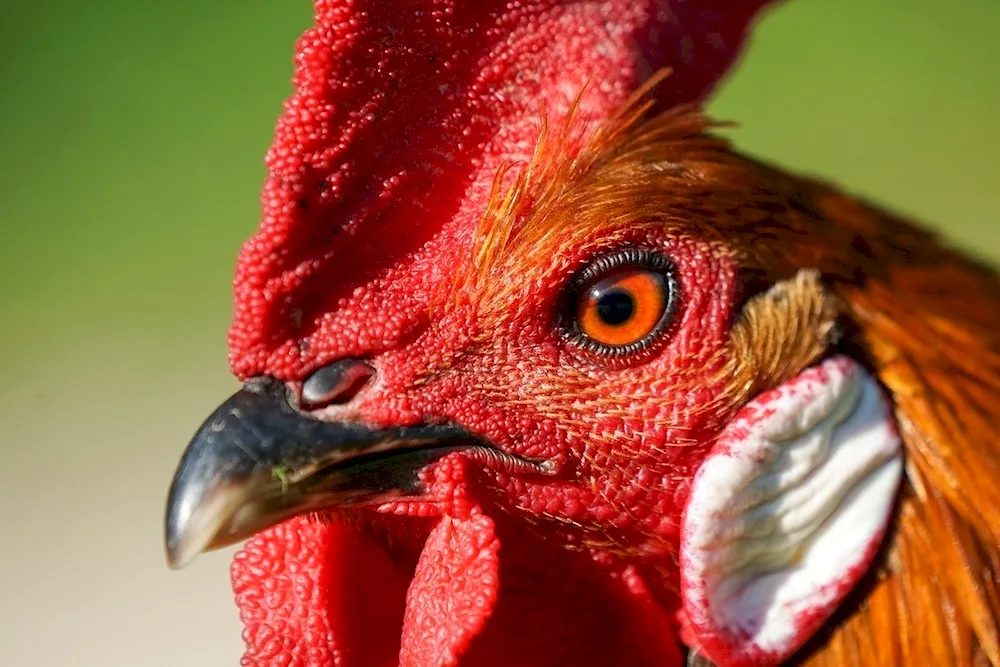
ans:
(132, 137)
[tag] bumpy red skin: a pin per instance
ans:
(380, 171)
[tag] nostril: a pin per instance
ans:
(338, 382)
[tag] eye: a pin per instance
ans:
(620, 303)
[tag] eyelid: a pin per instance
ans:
(603, 264)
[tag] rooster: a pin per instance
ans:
(540, 371)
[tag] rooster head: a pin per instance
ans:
(537, 371)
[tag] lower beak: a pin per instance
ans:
(257, 461)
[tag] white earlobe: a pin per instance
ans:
(787, 512)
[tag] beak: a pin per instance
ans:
(258, 461)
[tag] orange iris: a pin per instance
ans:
(623, 307)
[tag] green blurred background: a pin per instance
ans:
(133, 136)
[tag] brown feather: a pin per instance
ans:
(777, 334)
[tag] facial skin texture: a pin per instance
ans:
(622, 438)
(441, 174)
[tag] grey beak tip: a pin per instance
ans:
(174, 540)
(174, 561)
(174, 534)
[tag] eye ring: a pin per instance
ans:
(620, 304)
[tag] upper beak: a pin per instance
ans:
(257, 461)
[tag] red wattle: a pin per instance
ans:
(319, 594)
(453, 592)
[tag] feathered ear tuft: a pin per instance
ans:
(404, 110)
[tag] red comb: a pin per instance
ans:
(403, 112)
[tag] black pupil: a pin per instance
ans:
(615, 307)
